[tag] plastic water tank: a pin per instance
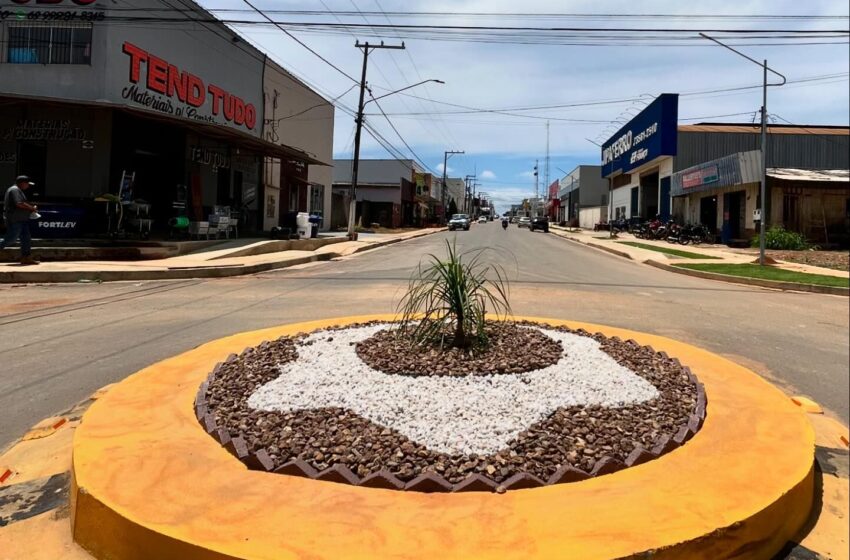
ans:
(303, 225)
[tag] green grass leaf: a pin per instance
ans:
(769, 273)
(667, 250)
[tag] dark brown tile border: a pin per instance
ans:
(432, 481)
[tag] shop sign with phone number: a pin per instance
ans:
(52, 15)
(55, 13)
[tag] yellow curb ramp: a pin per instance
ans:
(148, 482)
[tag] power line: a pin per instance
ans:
(415, 156)
(508, 111)
(302, 43)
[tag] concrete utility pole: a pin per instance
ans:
(763, 186)
(536, 191)
(446, 155)
(467, 199)
(355, 165)
(546, 170)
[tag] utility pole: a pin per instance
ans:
(355, 165)
(546, 171)
(763, 187)
(446, 155)
(536, 191)
(468, 194)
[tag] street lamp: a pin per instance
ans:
(403, 89)
(763, 187)
(355, 164)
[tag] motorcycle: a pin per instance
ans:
(505, 225)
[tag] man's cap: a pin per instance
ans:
(23, 179)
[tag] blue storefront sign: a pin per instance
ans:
(650, 134)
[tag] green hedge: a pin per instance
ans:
(778, 237)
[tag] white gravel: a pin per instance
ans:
(454, 415)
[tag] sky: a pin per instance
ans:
(502, 149)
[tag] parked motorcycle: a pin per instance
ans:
(676, 233)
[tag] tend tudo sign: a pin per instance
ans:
(650, 134)
(155, 83)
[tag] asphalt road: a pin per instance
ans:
(60, 343)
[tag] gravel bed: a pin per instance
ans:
(655, 399)
(387, 352)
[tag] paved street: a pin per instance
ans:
(61, 342)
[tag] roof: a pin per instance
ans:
(375, 171)
(790, 174)
(751, 128)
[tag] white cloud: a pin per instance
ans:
(547, 75)
(487, 174)
(449, 168)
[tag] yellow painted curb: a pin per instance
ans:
(45, 428)
(148, 482)
(807, 404)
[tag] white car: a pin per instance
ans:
(482, 219)
(524, 221)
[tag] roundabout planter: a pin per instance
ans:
(150, 481)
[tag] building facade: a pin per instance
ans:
(167, 117)
(710, 173)
(391, 193)
(583, 195)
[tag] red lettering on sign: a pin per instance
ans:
(250, 116)
(157, 74)
(177, 82)
(239, 111)
(196, 94)
(167, 79)
(137, 56)
(229, 106)
(217, 95)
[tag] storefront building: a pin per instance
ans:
(168, 118)
(391, 193)
(710, 173)
(584, 196)
(725, 193)
(638, 161)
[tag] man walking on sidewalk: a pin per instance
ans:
(17, 211)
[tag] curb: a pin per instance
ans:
(786, 286)
(221, 271)
(597, 246)
(691, 503)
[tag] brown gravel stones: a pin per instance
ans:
(572, 444)
(510, 349)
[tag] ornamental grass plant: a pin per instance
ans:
(448, 299)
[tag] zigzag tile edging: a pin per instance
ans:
(433, 482)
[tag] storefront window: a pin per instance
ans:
(38, 43)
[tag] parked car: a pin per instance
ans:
(539, 223)
(459, 221)
(524, 221)
(513, 219)
(482, 219)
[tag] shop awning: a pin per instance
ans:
(239, 139)
(819, 175)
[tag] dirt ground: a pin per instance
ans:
(837, 260)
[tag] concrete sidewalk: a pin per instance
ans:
(203, 264)
(715, 254)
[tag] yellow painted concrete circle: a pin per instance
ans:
(148, 482)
